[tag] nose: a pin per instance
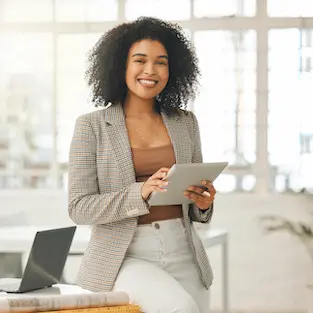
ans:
(149, 68)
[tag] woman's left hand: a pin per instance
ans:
(203, 197)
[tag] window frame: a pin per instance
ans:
(261, 23)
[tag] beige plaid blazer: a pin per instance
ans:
(103, 192)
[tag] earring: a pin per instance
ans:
(158, 97)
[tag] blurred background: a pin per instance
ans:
(255, 110)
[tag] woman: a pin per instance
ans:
(143, 72)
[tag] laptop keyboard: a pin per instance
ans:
(10, 284)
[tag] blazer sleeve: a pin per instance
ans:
(86, 205)
(195, 213)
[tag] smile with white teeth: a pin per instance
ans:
(147, 83)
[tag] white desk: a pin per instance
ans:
(18, 239)
(219, 237)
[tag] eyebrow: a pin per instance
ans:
(144, 55)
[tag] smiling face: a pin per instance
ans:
(147, 70)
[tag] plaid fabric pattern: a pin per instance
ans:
(103, 192)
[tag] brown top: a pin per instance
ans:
(147, 161)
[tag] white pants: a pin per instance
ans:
(159, 272)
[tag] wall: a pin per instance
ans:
(268, 273)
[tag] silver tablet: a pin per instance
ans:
(181, 176)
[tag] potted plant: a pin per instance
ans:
(302, 231)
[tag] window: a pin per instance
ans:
(217, 8)
(72, 92)
(168, 10)
(27, 11)
(86, 10)
(26, 94)
(228, 89)
(290, 104)
(290, 8)
(39, 93)
(227, 101)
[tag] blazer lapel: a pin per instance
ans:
(118, 137)
(180, 137)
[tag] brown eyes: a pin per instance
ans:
(161, 63)
(158, 62)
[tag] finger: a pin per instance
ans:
(210, 186)
(158, 175)
(196, 189)
(203, 202)
(206, 201)
(158, 189)
(206, 194)
(157, 182)
(163, 169)
(208, 197)
(195, 197)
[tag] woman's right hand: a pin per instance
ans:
(155, 183)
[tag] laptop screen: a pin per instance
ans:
(47, 258)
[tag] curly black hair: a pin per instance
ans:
(107, 63)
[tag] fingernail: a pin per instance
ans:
(205, 193)
(203, 182)
(186, 193)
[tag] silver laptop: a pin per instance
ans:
(45, 263)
